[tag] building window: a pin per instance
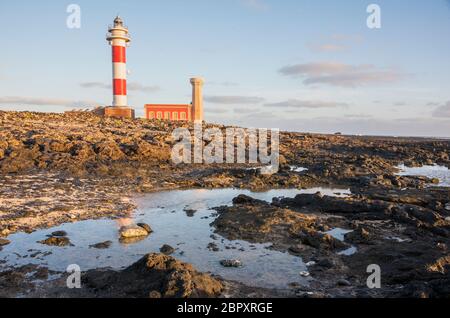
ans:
(175, 116)
(151, 115)
(159, 115)
(183, 115)
(166, 115)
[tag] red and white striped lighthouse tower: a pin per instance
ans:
(119, 39)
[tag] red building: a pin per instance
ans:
(168, 112)
(176, 112)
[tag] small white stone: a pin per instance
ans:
(304, 274)
(447, 206)
(309, 264)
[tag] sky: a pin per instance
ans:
(300, 65)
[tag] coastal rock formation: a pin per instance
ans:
(155, 275)
(60, 168)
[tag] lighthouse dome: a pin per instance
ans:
(118, 21)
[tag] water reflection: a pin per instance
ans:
(440, 172)
(190, 236)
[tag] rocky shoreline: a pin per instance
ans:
(59, 168)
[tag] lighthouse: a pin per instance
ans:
(119, 39)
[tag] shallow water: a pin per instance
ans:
(166, 213)
(298, 169)
(339, 234)
(440, 172)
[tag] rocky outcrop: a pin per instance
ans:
(156, 276)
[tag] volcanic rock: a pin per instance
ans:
(4, 242)
(231, 263)
(155, 275)
(145, 227)
(101, 245)
(132, 231)
(167, 249)
(57, 241)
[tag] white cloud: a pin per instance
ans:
(335, 43)
(328, 47)
(214, 110)
(295, 103)
(442, 111)
(342, 75)
(43, 101)
(234, 99)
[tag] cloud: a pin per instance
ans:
(38, 101)
(339, 74)
(241, 110)
(258, 5)
(400, 104)
(327, 47)
(132, 86)
(234, 99)
(442, 111)
(213, 110)
(226, 84)
(95, 85)
(358, 116)
(295, 103)
(335, 43)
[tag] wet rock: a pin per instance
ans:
(132, 231)
(41, 273)
(154, 294)
(167, 249)
(57, 241)
(297, 249)
(190, 212)
(231, 263)
(4, 242)
(319, 240)
(326, 263)
(213, 247)
(101, 245)
(245, 199)
(155, 275)
(343, 282)
(145, 227)
(442, 265)
(59, 233)
(441, 246)
(259, 222)
(310, 263)
(359, 236)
